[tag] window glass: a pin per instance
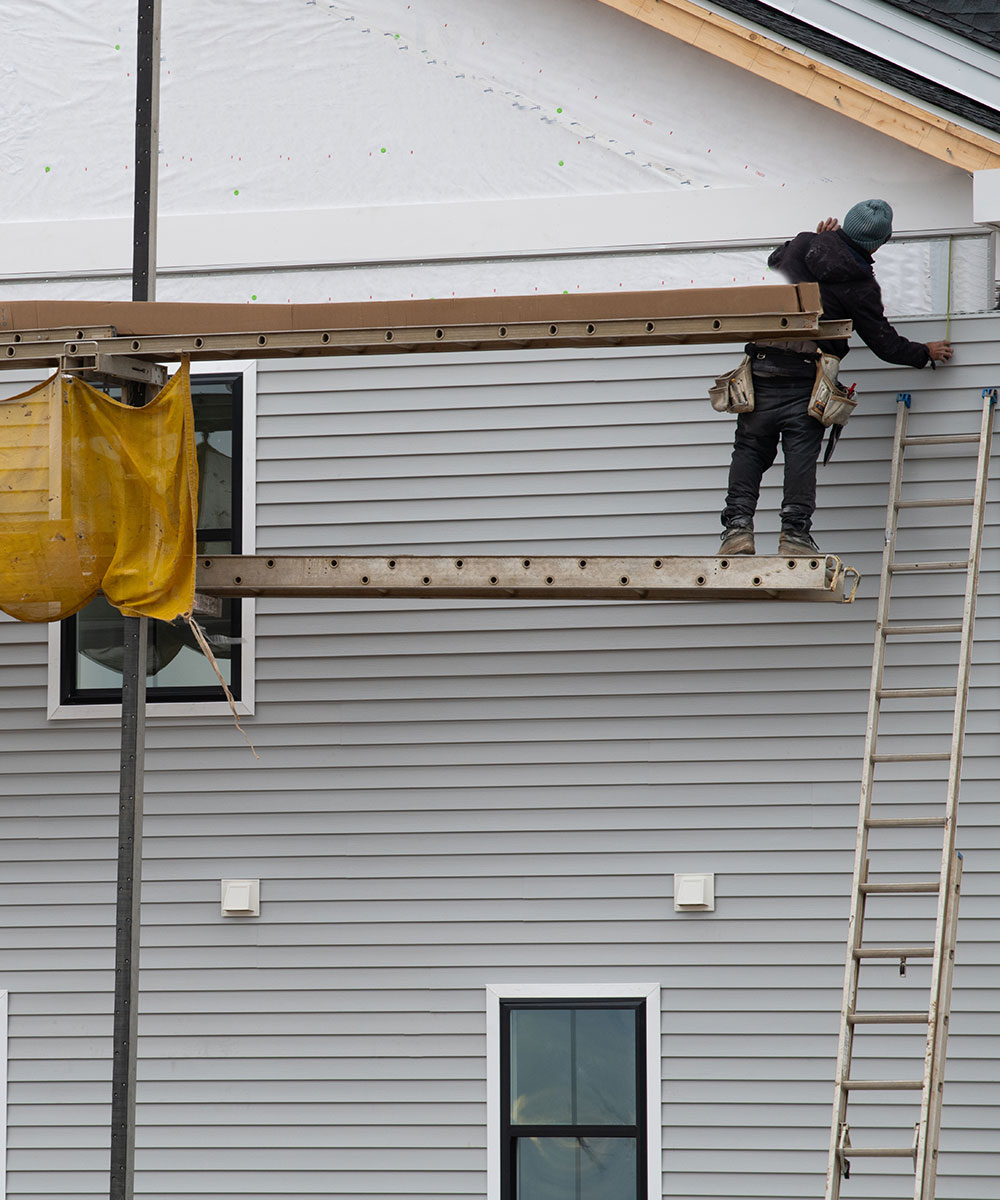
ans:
(591, 1168)
(573, 1066)
(573, 1112)
(176, 669)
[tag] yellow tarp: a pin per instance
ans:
(97, 496)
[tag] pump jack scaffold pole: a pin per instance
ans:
(133, 730)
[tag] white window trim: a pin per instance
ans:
(650, 992)
(192, 708)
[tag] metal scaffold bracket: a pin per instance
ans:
(89, 361)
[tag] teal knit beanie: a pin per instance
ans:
(869, 224)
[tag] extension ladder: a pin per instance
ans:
(875, 825)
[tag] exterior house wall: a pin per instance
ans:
(456, 795)
(460, 795)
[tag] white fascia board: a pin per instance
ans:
(435, 232)
(986, 197)
(907, 41)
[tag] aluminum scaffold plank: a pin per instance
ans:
(482, 577)
(91, 355)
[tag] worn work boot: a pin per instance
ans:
(796, 543)
(738, 539)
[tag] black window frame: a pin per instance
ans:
(72, 695)
(511, 1133)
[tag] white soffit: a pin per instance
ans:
(904, 40)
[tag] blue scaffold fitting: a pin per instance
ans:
(992, 393)
(903, 398)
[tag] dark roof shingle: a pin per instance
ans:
(977, 20)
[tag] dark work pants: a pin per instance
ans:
(779, 414)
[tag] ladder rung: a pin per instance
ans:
(910, 885)
(906, 822)
(888, 1018)
(943, 756)
(944, 502)
(882, 1085)
(958, 564)
(894, 952)
(897, 630)
(915, 693)
(939, 439)
(876, 1152)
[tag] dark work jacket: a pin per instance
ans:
(849, 291)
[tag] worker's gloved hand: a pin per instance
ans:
(828, 226)
(940, 351)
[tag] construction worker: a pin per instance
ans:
(839, 259)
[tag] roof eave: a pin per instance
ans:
(915, 126)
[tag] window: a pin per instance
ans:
(85, 655)
(574, 1076)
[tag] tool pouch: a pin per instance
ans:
(830, 402)
(733, 392)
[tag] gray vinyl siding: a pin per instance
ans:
(464, 793)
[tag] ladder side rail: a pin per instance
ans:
(940, 990)
(932, 1097)
(856, 922)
